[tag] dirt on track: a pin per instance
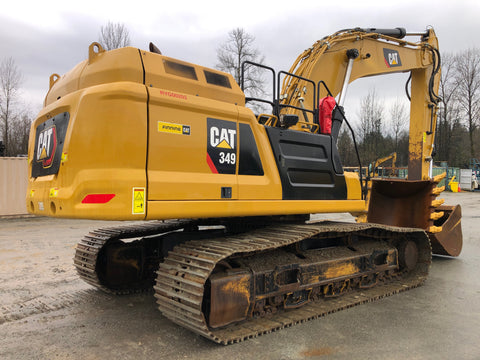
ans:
(47, 312)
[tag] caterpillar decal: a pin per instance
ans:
(47, 144)
(173, 128)
(221, 146)
(49, 139)
(392, 58)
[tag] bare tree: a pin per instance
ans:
(371, 114)
(10, 80)
(19, 133)
(468, 88)
(114, 36)
(370, 129)
(346, 148)
(237, 49)
(398, 121)
(448, 122)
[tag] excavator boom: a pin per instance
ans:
(360, 53)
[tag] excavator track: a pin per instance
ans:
(88, 254)
(185, 274)
(183, 277)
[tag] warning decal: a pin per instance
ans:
(138, 201)
(221, 146)
(53, 193)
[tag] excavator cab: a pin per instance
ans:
(304, 138)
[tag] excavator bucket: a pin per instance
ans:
(449, 240)
(412, 203)
(403, 203)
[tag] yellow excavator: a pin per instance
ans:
(374, 169)
(231, 252)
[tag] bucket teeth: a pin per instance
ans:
(436, 215)
(444, 231)
(436, 203)
(440, 177)
(434, 229)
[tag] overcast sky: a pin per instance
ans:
(46, 37)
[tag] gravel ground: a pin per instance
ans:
(47, 312)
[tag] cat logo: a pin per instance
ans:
(221, 146)
(222, 138)
(392, 58)
(46, 146)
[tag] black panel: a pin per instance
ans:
(305, 164)
(304, 176)
(303, 150)
(226, 192)
(337, 120)
(250, 163)
(49, 139)
(178, 69)
(217, 79)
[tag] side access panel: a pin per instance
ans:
(305, 165)
(192, 155)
